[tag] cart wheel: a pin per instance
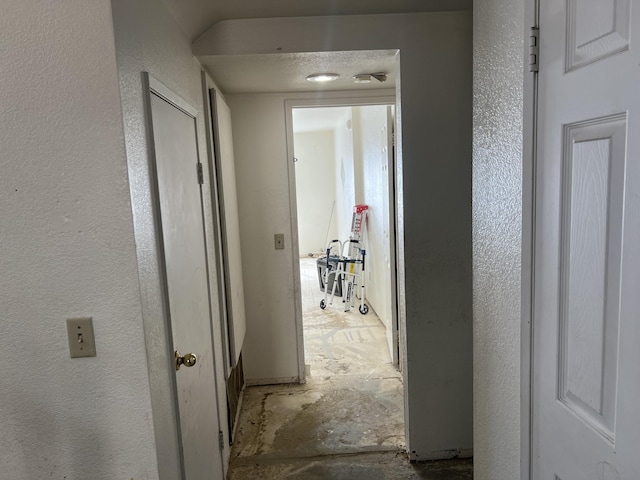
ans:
(364, 309)
(323, 304)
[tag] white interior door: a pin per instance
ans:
(586, 387)
(176, 161)
(225, 166)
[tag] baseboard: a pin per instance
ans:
(271, 381)
(441, 455)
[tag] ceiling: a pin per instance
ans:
(195, 16)
(286, 72)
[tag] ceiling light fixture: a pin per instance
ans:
(322, 77)
(367, 77)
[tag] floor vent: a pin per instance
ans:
(235, 384)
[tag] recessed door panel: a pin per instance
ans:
(595, 30)
(592, 190)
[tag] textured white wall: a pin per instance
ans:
(497, 231)
(435, 210)
(315, 189)
(67, 250)
(270, 352)
(369, 123)
(148, 39)
(345, 176)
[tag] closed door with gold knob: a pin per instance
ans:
(176, 162)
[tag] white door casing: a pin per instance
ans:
(183, 249)
(586, 331)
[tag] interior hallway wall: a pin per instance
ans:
(148, 39)
(315, 189)
(369, 132)
(345, 174)
(497, 234)
(434, 122)
(68, 250)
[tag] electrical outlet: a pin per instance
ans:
(279, 241)
(82, 342)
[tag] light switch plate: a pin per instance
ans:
(279, 241)
(82, 342)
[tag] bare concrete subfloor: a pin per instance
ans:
(346, 422)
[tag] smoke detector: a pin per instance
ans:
(368, 77)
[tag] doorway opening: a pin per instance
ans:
(343, 157)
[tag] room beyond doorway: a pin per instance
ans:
(344, 157)
(343, 343)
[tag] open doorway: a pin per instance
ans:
(344, 157)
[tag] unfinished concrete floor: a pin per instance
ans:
(347, 421)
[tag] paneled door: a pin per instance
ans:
(586, 330)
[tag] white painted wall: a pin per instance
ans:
(68, 250)
(369, 129)
(434, 122)
(497, 226)
(358, 156)
(270, 352)
(315, 189)
(148, 39)
(345, 175)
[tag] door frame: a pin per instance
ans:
(335, 99)
(529, 160)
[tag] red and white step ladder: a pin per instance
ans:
(358, 221)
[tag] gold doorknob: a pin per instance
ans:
(188, 360)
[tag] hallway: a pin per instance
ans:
(346, 421)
